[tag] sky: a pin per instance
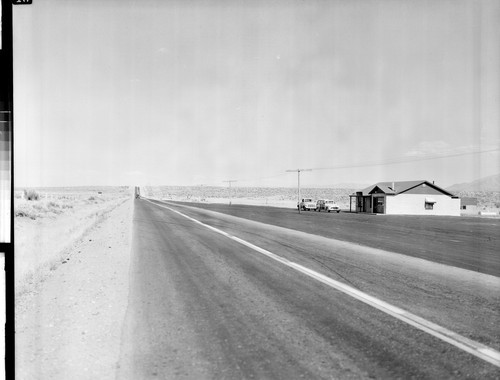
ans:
(122, 92)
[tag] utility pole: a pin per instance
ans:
(298, 181)
(230, 194)
(201, 192)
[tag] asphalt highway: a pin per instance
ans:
(465, 242)
(203, 305)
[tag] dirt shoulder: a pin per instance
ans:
(47, 229)
(69, 324)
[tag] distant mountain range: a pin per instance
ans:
(491, 183)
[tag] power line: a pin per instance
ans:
(390, 161)
(404, 160)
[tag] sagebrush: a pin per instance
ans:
(31, 195)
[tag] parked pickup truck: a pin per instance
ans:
(307, 204)
(327, 205)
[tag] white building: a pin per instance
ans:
(405, 198)
(468, 206)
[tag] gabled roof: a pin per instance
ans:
(400, 187)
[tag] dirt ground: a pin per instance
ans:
(69, 325)
(46, 229)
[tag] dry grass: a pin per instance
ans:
(31, 195)
(47, 228)
(278, 196)
(48, 202)
(286, 197)
(41, 208)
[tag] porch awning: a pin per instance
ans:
(430, 200)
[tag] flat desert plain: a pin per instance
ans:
(47, 226)
(73, 258)
(488, 201)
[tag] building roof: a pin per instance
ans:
(399, 187)
(468, 201)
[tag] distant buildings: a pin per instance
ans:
(405, 198)
(468, 206)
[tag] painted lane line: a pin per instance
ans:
(477, 349)
(472, 347)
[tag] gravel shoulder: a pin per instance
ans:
(44, 239)
(69, 325)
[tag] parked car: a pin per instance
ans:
(307, 204)
(327, 205)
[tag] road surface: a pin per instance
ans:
(465, 242)
(203, 305)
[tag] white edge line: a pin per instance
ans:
(475, 348)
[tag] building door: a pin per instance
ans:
(378, 205)
(368, 204)
(359, 202)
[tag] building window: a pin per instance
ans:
(429, 203)
(464, 207)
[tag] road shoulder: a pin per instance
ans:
(70, 326)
